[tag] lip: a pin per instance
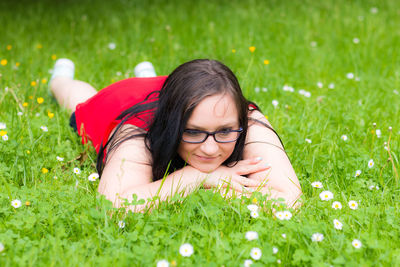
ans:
(206, 158)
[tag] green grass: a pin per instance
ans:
(69, 224)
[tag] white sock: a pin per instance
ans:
(145, 69)
(63, 67)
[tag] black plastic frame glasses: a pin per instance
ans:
(214, 134)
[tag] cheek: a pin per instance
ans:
(184, 150)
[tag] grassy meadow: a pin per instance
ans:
(325, 73)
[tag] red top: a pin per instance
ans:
(95, 118)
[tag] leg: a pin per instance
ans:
(69, 92)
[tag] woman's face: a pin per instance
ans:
(213, 113)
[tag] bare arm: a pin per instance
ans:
(128, 171)
(282, 181)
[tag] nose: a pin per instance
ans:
(209, 147)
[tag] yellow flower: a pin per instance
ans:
(27, 203)
(17, 64)
(266, 62)
(25, 104)
(233, 50)
(31, 97)
(173, 263)
(44, 80)
(40, 100)
(50, 114)
(3, 62)
(33, 83)
(254, 200)
(266, 117)
(44, 170)
(9, 47)
(3, 133)
(28, 152)
(39, 46)
(53, 57)
(252, 49)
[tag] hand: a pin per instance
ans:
(234, 177)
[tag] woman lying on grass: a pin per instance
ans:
(169, 134)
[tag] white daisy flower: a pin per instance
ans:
(264, 89)
(16, 203)
(358, 173)
(247, 263)
(378, 133)
(350, 75)
(356, 40)
(320, 84)
(317, 184)
(313, 44)
(19, 113)
(279, 215)
(317, 237)
(255, 253)
(284, 235)
(254, 214)
(377, 187)
(308, 140)
(370, 163)
(371, 187)
(344, 137)
(307, 94)
(374, 10)
(288, 88)
(5, 137)
(287, 215)
(396, 92)
(278, 261)
(44, 128)
(252, 207)
(59, 158)
(257, 89)
(331, 86)
(93, 177)
(121, 224)
(353, 205)
(1, 247)
(251, 235)
(274, 250)
(337, 205)
(275, 103)
(162, 263)
(77, 171)
(55, 177)
(112, 46)
(3, 126)
(337, 224)
(37, 114)
(326, 195)
(186, 250)
(356, 243)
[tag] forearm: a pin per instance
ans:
(183, 181)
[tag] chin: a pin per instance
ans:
(206, 168)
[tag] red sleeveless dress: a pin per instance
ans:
(96, 118)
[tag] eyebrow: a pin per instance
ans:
(226, 125)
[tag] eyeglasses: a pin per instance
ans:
(223, 136)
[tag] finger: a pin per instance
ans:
(252, 168)
(230, 184)
(246, 181)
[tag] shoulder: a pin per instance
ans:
(127, 165)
